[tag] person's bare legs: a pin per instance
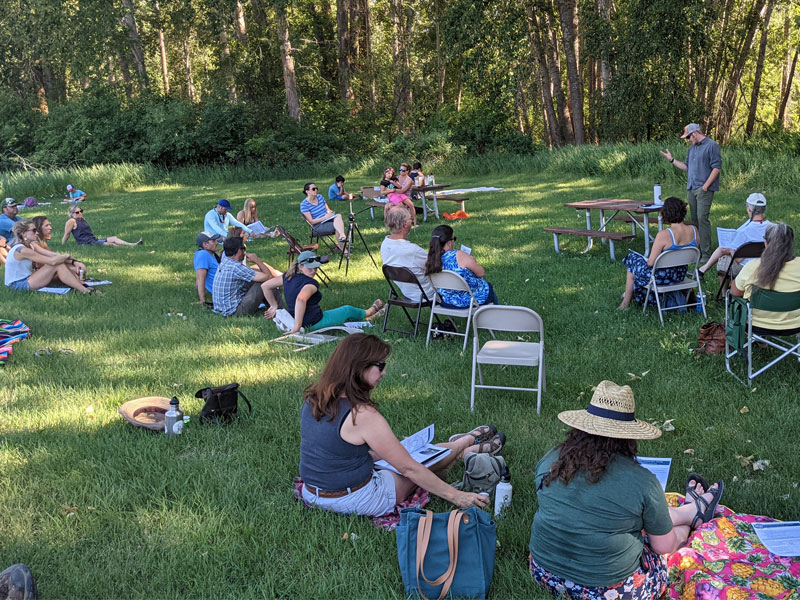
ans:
(115, 241)
(682, 516)
(338, 226)
(412, 209)
(628, 295)
(712, 260)
(48, 273)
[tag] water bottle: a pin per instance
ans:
(701, 299)
(173, 420)
(657, 194)
(502, 494)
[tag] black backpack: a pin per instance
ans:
(222, 403)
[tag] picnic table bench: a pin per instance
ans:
(589, 233)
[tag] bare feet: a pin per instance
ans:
(624, 306)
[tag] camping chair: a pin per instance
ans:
(675, 258)
(449, 280)
(503, 352)
(748, 250)
(325, 239)
(741, 334)
(303, 340)
(295, 248)
(404, 275)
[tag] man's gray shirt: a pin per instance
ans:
(701, 159)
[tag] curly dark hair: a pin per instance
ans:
(588, 453)
(674, 210)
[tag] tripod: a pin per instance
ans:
(351, 228)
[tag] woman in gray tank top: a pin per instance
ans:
(343, 433)
(77, 226)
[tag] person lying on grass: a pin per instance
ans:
(302, 295)
(44, 231)
(78, 227)
(54, 268)
(342, 434)
(603, 523)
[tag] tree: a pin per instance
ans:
(287, 61)
(762, 50)
(568, 13)
(129, 21)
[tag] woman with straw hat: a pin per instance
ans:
(603, 520)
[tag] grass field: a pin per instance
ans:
(99, 509)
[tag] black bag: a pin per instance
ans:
(222, 403)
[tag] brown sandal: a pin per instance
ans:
(493, 445)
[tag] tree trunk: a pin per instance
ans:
(554, 64)
(368, 54)
(720, 61)
(604, 10)
(239, 22)
(41, 93)
(187, 63)
(568, 15)
(785, 67)
(129, 21)
(523, 121)
(440, 62)
(400, 62)
(259, 14)
(538, 58)
(782, 113)
(762, 50)
(225, 57)
(344, 50)
(324, 38)
(289, 79)
(126, 73)
(162, 47)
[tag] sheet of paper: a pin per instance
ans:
(651, 206)
(725, 237)
(781, 538)
(54, 290)
(258, 228)
(420, 448)
(96, 283)
(657, 466)
(466, 249)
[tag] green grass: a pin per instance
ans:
(211, 513)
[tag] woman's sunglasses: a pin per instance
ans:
(381, 365)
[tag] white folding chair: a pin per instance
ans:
(675, 258)
(448, 280)
(515, 319)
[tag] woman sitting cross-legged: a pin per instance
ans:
(442, 255)
(54, 268)
(678, 235)
(603, 522)
(302, 295)
(77, 226)
(343, 433)
(44, 231)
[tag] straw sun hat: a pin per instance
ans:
(611, 414)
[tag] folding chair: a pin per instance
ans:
(675, 258)
(325, 239)
(404, 275)
(749, 250)
(449, 280)
(295, 248)
(740, 343)
(515, 319)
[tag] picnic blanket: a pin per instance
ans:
(724, 560)
(11, 332)
(469, 190)
(390, 520)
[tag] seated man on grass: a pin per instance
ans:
(218, 220)
(752, 231)
(238, 289)
(75, 195)
(336, 191)
(8, 218)
(206, 263)
(397, 251)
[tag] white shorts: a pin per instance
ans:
(376, 498)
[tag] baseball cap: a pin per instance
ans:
(690, 129)
(70, 187)
(205, 236)
(224, 204)
(9, 202)
(309, 259)
(756, 200)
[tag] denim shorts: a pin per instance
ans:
(376, 498)
(20, 284)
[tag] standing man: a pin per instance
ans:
(218, 220)
(8, 218)
(704, 164)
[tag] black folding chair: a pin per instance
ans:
(748, 250)
(295, 248)
(329, 240)
(404, 275)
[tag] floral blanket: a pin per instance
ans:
(389, 521)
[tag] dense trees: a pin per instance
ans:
(483, 73)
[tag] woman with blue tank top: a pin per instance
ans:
(442, 256)
(343, 433)
(78, 227)
(678, 235)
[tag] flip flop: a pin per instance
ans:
(705, 510)
(481, 433)
(690, 489)
(493, 445)
(43, 352)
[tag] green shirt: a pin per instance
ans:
(590, 533)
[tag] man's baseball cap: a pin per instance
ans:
(690, 129)
(205, 236)
(9, 202)
(309, 259)
(70, 187)
(224, 204)
(756, 200)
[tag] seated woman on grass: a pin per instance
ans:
(247, 216)
(678, 235)
(44, 231)
(302, 295)
(603, 523)
(77, 226)
(343, 433)
(19, 273)
(442, 256)
(397, 189)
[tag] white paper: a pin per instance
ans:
(420, 448)
(466, 249)
(54, 290)
(780, 538)
(725, 237)
(657, 466)
(96, 283)
(258, 228)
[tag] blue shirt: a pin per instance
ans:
(478, 285)
(76, 194)
(700, 159)
(6, 223)
(203, 259)
(334, 193)
(230, 285)
(216, 223)
(320, 210)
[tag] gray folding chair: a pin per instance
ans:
(517, 319)
(675, 258)
(448, 280)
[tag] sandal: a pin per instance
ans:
(480, 433)
(378, 314)
(705, 510)
(376, 306)
(690, 489)
(493, 445)
(43, 352)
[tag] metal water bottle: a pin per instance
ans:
(657, 194)
(173, 420)
(502, 494)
